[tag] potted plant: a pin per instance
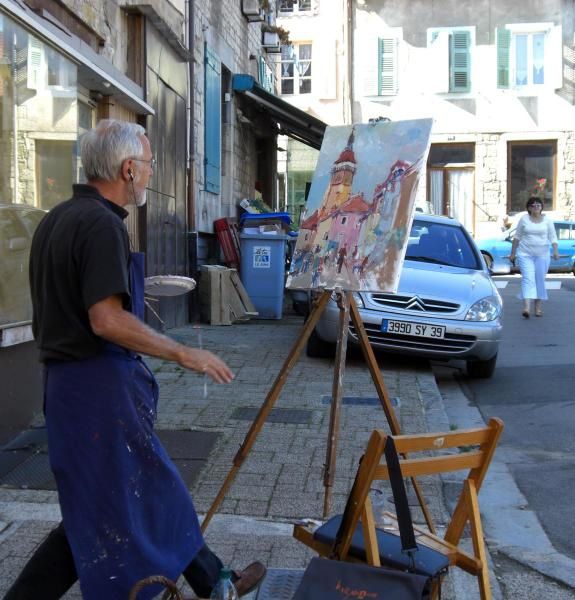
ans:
(274, 35)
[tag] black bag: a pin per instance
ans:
(396, 552)
(326, 579)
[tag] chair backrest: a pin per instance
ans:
(470, 450)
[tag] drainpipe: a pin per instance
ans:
(193, 308)
(348, 110)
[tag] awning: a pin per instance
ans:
(95, 73)
(292, 121)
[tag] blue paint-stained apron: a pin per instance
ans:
(126, 511)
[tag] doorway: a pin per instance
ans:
(451, 182)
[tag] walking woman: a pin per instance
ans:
(531, 248)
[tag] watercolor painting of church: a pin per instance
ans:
(354, 231)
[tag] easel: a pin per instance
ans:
(347, 309)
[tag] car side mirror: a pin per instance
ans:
(18, 243)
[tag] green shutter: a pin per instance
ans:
(503, 46)
(460, 61)
(387, 67)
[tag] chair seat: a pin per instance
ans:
(428, 562)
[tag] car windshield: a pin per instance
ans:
(441, 244)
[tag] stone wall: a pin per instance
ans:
(222, 26)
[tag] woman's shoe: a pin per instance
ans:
(525, 314)
(539, 313)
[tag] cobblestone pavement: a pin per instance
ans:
(280, 480)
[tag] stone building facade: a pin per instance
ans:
(65, 64)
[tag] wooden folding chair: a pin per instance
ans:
(470, 449)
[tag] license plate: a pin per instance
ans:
(415, 329)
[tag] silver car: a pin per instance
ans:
(446, 307)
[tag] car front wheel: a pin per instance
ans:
(481, 369)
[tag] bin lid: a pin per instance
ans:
(282, 217)
(264, 236)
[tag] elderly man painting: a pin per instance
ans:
(126, 511)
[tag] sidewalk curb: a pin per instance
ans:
(506, 515)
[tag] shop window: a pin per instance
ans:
(54, 169)
(38, 133)
(531, 168)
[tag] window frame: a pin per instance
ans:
(295, 9)
(296, 76)
(507, 57)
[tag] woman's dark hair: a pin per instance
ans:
(534, 200)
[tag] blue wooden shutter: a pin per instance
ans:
(213, 122)
(460, 57)
(503, 47)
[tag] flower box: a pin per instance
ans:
(253, 10)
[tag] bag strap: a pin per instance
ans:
(404, 521)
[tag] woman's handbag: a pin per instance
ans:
(326, 579)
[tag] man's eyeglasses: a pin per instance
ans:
(151, 162)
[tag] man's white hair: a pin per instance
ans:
(104, 148)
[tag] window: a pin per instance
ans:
(531, 168)
(451, 55)
(294, 6)
(296, 69)
(529, 56)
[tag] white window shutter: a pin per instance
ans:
(438, 75)
(388, 66)
(325, 69)
(554, 57)
(34, 66)
(369, 61)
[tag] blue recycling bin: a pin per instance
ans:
(262, 271)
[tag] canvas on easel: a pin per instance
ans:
(353, 238)
(360, 207)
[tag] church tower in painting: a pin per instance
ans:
(342, 173)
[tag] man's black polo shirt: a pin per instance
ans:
(80, 255)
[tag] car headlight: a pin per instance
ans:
(486, 309)
(358, 300)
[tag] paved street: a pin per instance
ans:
(532, 391)
(281, 479)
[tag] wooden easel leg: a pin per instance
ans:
(384, 397)
(343, 302)
(266, 407)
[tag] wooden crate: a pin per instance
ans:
(223, 298)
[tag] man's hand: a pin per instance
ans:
(110, 321)
(205, 362)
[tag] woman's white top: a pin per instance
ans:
(534, 238)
